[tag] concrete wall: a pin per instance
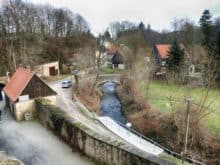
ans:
(20, 108)
(46, 67)
(43, 70)
(80, 138)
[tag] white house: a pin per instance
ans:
(47, 69)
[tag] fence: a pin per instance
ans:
(168, 151)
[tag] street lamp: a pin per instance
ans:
(128, 125)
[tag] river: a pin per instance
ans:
(110, 105)
(30, 142)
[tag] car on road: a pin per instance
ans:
(66, 84)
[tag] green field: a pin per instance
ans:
(107, 70)
(158, 93)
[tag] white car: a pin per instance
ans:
(66, 84)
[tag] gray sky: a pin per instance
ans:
(157, 13)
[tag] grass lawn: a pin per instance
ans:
(55, 78)
(107, 70)
(158, 94)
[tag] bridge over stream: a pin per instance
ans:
(103, 78)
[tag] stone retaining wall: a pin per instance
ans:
(80, 138)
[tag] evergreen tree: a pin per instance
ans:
(218, 44)
(206, 28)
(176, 56)
(107, 35)
(218, 57)
(141, 26)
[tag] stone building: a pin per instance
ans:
(48, 69)
(21, 90)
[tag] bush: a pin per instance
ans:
(84, 94)
(130, 95)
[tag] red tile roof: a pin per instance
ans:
(17, 83)
(112, 50)
(163, 50)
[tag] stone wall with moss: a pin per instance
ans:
(84, 140)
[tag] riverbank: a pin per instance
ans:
(166, 129)
(90, 99)
(159, 92)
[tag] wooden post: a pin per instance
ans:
(187, 129)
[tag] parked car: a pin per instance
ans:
(66, 84)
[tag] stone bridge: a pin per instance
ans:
(103, 78)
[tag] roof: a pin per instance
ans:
(17, 83)
(112, 50)
(163, 49)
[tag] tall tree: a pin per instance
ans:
(176, 56)
(141, 26)
(107, 35)
(206, 27)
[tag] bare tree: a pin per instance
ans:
(80, 24)
(100, 43)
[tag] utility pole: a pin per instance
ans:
(100, 43)
(71, 83)
(74, 71)
(188, 101)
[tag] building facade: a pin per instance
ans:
(21, 90)
(48, 69)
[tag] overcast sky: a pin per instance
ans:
(157, 13)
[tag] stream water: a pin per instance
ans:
(110, 105)
(33, 144)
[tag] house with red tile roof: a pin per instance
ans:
(110, 52)
(21, 90)
(114, 57)
(160, 54)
